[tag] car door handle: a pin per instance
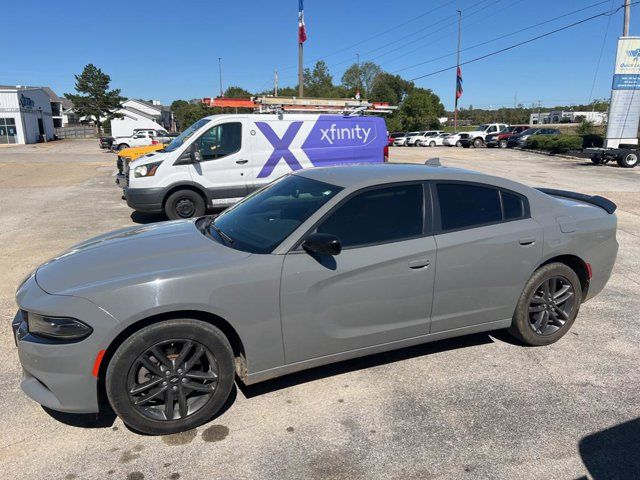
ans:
(420, 263)
(527, 241)
(242, 162)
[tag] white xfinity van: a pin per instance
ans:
(220, 159)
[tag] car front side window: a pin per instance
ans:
(220, 141)
(378, 215)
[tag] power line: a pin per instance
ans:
(502, 36)
(604, 39)
(524, 42)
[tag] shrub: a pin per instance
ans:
(585, 127)
(592, 140)
(554, 143)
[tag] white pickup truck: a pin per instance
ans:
(140, 138)
(479, 134)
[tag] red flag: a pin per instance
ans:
(302, 32)
(459, 84)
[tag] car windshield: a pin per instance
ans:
(180, 139)
(264, 219)
(529, 131)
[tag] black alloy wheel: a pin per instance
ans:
(551, 305)
(173, 379)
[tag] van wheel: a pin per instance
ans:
(122, 146)
(548, 305)
(170, 376)
(184, 204)
(478, 142)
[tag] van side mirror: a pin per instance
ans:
(322, 243)
(194, 154)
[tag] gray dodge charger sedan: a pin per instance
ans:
(320, 266)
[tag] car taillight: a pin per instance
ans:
(154, 142)
(386, 153)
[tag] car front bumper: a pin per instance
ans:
(147, 200)
(60, 376)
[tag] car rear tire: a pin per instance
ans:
(628, 160)
(184, 204)
(458, 143)
(432, 143)
(478, 142)
(122, 146)
(548, 305)
(502, 143)
(171, 376)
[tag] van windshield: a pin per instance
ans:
(261, 221)
(180, 139)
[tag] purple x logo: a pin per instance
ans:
(280, 147)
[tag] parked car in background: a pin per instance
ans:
(401, 139)
(394, 136)
(434, 140)
(142, 137)
(163, 317)
(479, 134)
(465, 140)
(106, 142)
(501, 138)
(412, 138)
(520, 139)
(418, 140)
(452, 140)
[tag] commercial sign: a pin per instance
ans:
(624, 110)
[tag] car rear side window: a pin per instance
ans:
(513, 206)
(378, 215)
(466, 205)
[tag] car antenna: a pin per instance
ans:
(433, 162)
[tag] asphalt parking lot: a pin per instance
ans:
(474, 407)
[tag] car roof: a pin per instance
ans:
(356, 176)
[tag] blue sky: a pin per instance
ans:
(167, 50)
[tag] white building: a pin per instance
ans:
(25, 115)
(141, 114)
(562, 116)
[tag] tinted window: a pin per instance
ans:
(513, 206)
(378, 215)
(220, 141)
(464, 205)
(261, 221)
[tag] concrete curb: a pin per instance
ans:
(555, 155)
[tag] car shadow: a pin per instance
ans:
(143, 218)
(362, 363)
(613, 452)
(104, 419)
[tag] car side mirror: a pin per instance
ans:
(322, 243)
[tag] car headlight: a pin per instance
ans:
(148, 170)
(57, 328)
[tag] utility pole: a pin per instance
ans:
(220, 73)
(627, 15)
(275, 83)
(455, 108)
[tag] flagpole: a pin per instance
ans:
(300, 74)
(455, 108)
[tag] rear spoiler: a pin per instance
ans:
(604, 203)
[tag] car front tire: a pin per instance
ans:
(503, 144)
(478, 142)
(171, 376)
(548, 305)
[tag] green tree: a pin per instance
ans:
(389, 88)
(186, 113)
(360, 77)
(420, 110)
(94, 99)
(319, 82)
(237, 92)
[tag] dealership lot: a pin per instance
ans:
(473, 407)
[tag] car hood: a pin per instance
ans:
(157, 157)
(132, 255)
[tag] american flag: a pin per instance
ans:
(302, 32)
